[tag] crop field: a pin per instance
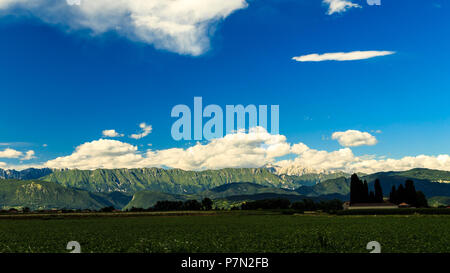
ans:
(228, 232)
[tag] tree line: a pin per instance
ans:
(205, 204)
(304, 205)
(360, 193)
(408, 194)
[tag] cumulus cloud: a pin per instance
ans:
(238, 150)
(344, 160)
(354, 138)
(181, 26)
(111, 133)
(252, 149)
(342, 56)
(338, 6)
(102, 153)
(29, 155)
(146, 130)
(10, 153)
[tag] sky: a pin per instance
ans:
(91, 84)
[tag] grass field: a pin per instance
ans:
(227, 232)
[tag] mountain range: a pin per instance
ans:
(125, 188)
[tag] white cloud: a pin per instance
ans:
(146, 130)
(354, 138)
(10, 153)
(342, 56)
(44, 145)
(344, 160)
(181, 26)
(3, 165)
(111, 133)
(239, 150)
(29, 155)
(252, 149)
(338, 6)
(102, 153)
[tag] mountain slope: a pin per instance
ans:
(224, 195)
(26, 174)
(47, 195)
(171, 181)
(333, 186)
(232, 191)
(387, 180)
(439, 201)
(147, 199)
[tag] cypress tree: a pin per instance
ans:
(421, 200)
(365, 192)
(354, 189)
(410, 192)
(378, 192)
(393, 195)
(400, 194)
(371, 197)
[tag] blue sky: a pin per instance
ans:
(61, 85)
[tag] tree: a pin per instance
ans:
(192, 205)
(400, 194)
(421, 200)
(378, 192)
(365, 193)
(371, 198)
(410, 192)
(356, 189)
(107, 209)
(393, 195)
(207, 204)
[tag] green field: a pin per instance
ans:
(226, 232)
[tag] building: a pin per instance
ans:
(385, 205)
(404, 205)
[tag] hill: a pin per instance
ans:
(47, 195)
(147, 199)
(333, 186)
(423, 181)
(224, 195)
(439, 201)
(234, 189)
(251, 191)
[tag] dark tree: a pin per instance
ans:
(393, 195)
(107, 209)
(378, 192)
(421, 200)
(168, 205)
(356, 189)
(365, 193)
(192, 205)
(371, 198)
(400, 194)
(207, 204)
(410, 192)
